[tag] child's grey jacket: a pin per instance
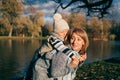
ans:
(42, 70)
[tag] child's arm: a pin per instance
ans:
(59, 46)
(62, 62)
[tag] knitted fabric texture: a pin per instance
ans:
(60, 57)
(60, 65)
(59, 23)
(59, 46)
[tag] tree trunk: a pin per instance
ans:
(32, 35)
(10, 33)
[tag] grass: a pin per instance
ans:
(100, 70)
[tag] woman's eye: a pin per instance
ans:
(72, 38)
(79, 39)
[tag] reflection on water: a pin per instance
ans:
(15, 55)
(99, 50)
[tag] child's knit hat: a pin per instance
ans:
(59, 23)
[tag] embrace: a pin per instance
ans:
(62, 54)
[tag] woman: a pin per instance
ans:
(48, 65)
(78, 40)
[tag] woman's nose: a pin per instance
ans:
(74, 41)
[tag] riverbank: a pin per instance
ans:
(17, 37)
(100, 70)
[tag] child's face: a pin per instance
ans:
(62, 34)
(76, 42)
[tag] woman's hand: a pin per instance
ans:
(83, 57)
(75, 61)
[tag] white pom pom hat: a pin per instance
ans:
(59, 23)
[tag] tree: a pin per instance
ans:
(95, 26)
(11, 9)
(37, 22)
(106, 26)
(115, 29)
(47, 29)
(77, 20)
(3, 30)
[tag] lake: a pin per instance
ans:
(15, 55)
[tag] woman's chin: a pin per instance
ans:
(75, 49)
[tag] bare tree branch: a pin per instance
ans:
(92, 6)
(100, 6)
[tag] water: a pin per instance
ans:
(100, 50)
(15, 55)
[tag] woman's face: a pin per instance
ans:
(76, 42)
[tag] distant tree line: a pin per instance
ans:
(104, 28)
(97, 28)
(13, 21)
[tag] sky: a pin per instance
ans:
(49, 6)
